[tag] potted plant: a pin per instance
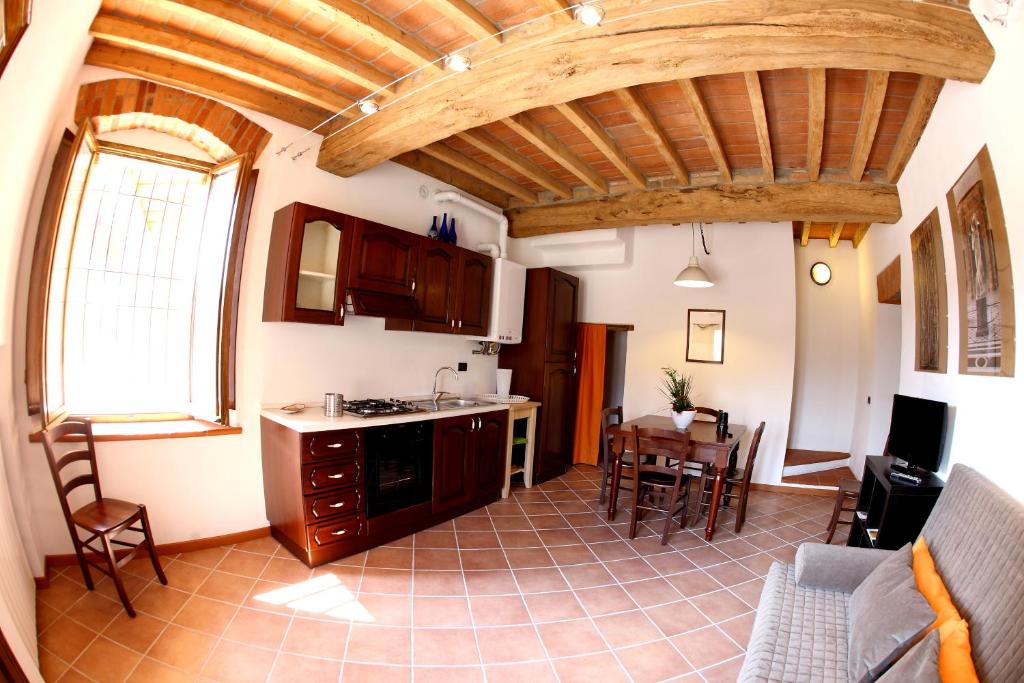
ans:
(677, 389)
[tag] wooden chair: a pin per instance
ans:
(849, 491)
(702, 469)
(652, 477)
(607, 417)
(103, 518)
(740, 478)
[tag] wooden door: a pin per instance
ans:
(453, 462)
(306, 270)
(557, 420)
(384, 259)
(437, 286)
(491, 439)
(560, 345)
(474, 301)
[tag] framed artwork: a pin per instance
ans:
(14, 18)
(931, 342)
(984, 278)
(705, 336)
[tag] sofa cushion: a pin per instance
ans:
(919, 665)
(887, 616)
(835, 567)
(799, 634)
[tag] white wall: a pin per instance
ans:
(987, 410)
(203, 487)
(827, 348)
(752, 266)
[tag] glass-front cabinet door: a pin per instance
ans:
(307, 266)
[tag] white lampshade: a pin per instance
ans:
(693, 276)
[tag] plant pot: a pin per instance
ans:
(683, 419)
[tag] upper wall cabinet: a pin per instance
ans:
(473, 306)
(382, 272)
(307, 268)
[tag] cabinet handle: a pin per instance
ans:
(460, 324)
(472, 424)
(574, 369)
(339, 532)
(414, 284)
(334, 445)
(336, 476)
(337, 505)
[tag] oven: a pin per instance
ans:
(399, 461)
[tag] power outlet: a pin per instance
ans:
(463, 367)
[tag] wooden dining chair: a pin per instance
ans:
(659, 462)
(702, 469)
(610, 417)
(102, 518)
(846, 501)
(739, 478)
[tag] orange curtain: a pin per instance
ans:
(591, 341)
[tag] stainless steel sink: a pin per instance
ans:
(446, 404)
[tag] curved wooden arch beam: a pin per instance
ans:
(657, 40)
(824, 202)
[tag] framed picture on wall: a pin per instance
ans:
(14, 18)
(984, 278)
(705, 336)
(931, 340)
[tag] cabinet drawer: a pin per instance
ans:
(338, 531)
(330, 475)
(332, 444)
(329, 505)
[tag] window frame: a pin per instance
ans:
(40, 401)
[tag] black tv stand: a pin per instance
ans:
(891, 513)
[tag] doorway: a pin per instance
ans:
(615, 366)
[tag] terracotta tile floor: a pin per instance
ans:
(533, 588)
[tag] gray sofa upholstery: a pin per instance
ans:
(975, 533)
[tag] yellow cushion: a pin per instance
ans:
(955, 664)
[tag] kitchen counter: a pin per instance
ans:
(312, 419)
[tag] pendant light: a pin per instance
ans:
(693, 275)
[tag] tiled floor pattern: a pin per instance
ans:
(534, 588)
(824, 478)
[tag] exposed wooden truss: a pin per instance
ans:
(587, 128)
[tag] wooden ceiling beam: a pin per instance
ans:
(835, 234)
(238, 18)
(186, 48)
(458, 160)
(913, 126)
(645, 119)
(517, 162)
(805, 232)
(599, 137)
(680, 40)
(557, 150)
(468, 18)
(825, 202)
(862, 231)
(815, 121)
(764, 139)
(871, 112)
(209, 83)
(563, 7)
(428, 165)
(707, 128)
(357, 18)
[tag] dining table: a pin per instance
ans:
(708, 447)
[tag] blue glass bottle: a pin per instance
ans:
(443, 235)
(453, 237)
(432, 233)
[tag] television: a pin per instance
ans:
(916, 430)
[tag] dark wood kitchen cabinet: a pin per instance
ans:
(308, 266)
(473, 307)
(544, 365)
(469, 458)
(383, 270)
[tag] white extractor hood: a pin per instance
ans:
(508, 295)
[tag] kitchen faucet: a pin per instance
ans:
(438, 394)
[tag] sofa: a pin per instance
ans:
(975, 534)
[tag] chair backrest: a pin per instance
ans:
(755, 442)
(607, 417)
(665, 443)
(710, 412)
(58, 460)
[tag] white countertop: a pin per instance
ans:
(312, 419)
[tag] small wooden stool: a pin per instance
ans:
(521, 411)
(849, 490)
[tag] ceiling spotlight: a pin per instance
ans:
(457, 62)
(369, 107)
(588, 15)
